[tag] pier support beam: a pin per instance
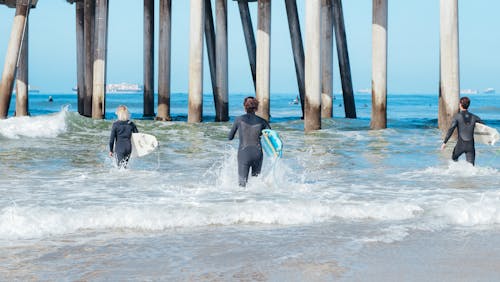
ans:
(195, 91)
(88, 38)
(326, 59)
(164, 60)
(263, 58)
(210, 42)
(312, 117)
(379, 65)
(297, 47)
(13, 49)
(22, 81)
(343, 56)
(449, 83)
(99, 85)
(246, 22)
(80, 56)
(221, 67)
(149, 49)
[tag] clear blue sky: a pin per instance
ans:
(413, 60)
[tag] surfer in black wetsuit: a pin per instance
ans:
(465, 122)
(119, 142)
(250, 128)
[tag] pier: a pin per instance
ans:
(312, 56)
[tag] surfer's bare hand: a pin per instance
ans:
(442, 146)
(110, 154)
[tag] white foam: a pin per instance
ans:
(473, 212)
(47, 126)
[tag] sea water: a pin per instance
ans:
(343, 203)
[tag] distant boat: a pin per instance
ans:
(468, 91)
(489, 90)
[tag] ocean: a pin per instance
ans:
(345, 203)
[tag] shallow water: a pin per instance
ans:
(344, 203)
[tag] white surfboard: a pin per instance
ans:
(143, 144)
(485, 134)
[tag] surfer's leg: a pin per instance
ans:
(243, 169)
(257, 166)
(470, 157)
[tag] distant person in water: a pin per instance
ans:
(249, 127)
(50, 99)
(120, 145)
(464, 122)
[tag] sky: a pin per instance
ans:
(413, 45)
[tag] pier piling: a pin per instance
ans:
(164, 60)
(221, 66)
(449, 77)
(343, 57)
(88, 38)
(263, 58)
(246, 22)
(326, 59)
(99, 86)
(80, 55)
(22, 81)
(312, 117)
(149, 49)
(195, 95)
(11, 58)
(379, 65)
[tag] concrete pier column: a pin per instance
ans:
(297, 47)
(88, 38)
(312, 113)
(13, 50)
(101, 40)
(263, 74)
(195, 91)
(326, 59)
(149, 49)
(80, 56)
(221, 67)
(164, 60)
(343, 55)
(22, 81)
(449, 76)
(379, 65)
(246, 22)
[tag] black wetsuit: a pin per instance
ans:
(121, 132)
(465, 123)
(250, 155)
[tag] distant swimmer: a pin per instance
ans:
(50, 99)
(120, 145)
(249, 127)
(464, 122)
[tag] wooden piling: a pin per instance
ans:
(326, 59)
(164, 60)
(13, 50)
(449, 75)
(149, 49)
(210, 42)
(195, 98)
(221, 67)
(263, 58)
(297, 47)
(22, 81)
(88, 38)
(99, 81)
(312, 117)
(80, 56)
(379, 65)
(343, 57)
(246, 22)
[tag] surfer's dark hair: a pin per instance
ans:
(465, 102)
(251, 104)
